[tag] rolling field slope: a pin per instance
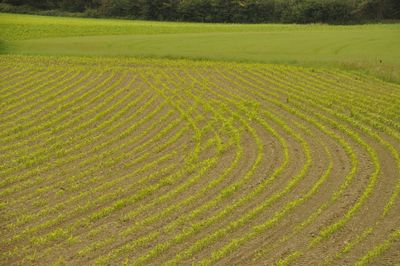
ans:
(174, 162)
(371, 48)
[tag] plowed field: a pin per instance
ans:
(150, 162)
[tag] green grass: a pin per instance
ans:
(310, 45)
(373, 48)
(23, 27)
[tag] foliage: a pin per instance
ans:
(249, 11)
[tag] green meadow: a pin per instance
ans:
(374, 48)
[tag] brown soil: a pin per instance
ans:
(144, 184)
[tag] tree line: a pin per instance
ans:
(229, 11)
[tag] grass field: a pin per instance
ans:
(372, 48)
(143, 161)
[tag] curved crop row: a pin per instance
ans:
(166, 162)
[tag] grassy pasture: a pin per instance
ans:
(22, 27)
(373, 48)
